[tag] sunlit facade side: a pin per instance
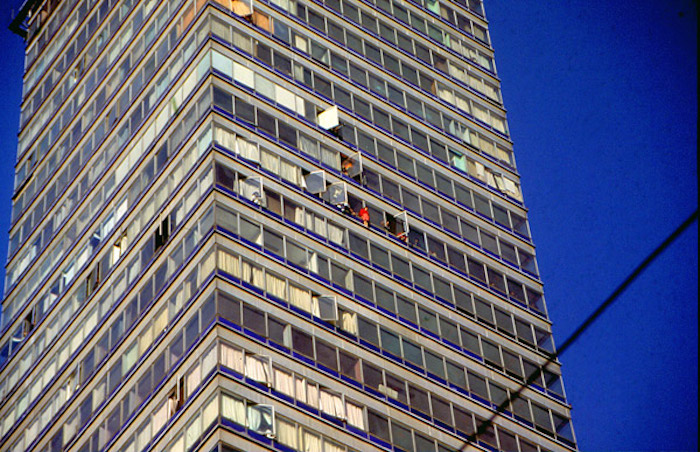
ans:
(278, 225)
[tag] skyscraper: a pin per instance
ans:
(275, 225)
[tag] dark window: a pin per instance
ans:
(287, 134)
(349, 366)
(362, 108)
(412, 353)
(266, 123)
(378, 425)
(390, 343)
(407, 309)
(245, 111)
(276, 330)
(401, 437)
(326, 355)
(372, 375)
(419, 399)
(303, 343)
(491, 353)
(477, 385)
(368, 331)
(254, 320)
(229, 308)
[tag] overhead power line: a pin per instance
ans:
(486, 424)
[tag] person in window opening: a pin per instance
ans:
(345, 208)
(364, 216)
(403, 237)
(391, 227)
(256, 198)
(346, 166)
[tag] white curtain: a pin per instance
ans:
(332, 447)
(349, 322)
(301, 298)
(233, 409)
(270, 162)
(256, 368)
(284, 382)
(232, 358)
(210, 413)
(275, 285)
(446, 94)
(258, 277)
(312, 395)
(335, 233)
(194, 378)
(208, 264)
(178, 445)
(300, 386)
(224, 137)
(261, 419)
(481, 113)
(247, 150)
(287, 433)
(209, 361)
(289, 172)
(285, 97)
(308, 146)
(144, 437)
(160, 416)
(312, 443)
(331, 404)
(490, 179)
(499, 182)
(246, 272)
(355, 416)
(194, 431)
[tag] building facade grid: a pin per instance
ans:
(275, 225)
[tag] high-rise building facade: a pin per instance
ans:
(288, 225)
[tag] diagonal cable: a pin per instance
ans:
(581, 328)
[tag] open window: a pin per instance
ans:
(329, 119)
(398, 226)
(28, 323)
(261, 419)
(351, 165)
(92, 280)
(176, 398)
(161, 234)
(118, 248)
(315, 182)
(251, 188)
(337, 194)
(326, 308)
(242, 8)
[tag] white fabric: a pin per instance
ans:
(349, 322)
(312, 443)
(275, 285)
(233, 409)
(355, 416)
(256, 368)
(232, 358)
(284, 382)
(287, 433)
(228, 263)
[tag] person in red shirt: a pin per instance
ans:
(364, 216)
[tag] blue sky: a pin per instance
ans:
(602, 108)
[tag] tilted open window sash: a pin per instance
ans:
(261, 419)
(316, 182)
(337, 194)
(325, 308)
